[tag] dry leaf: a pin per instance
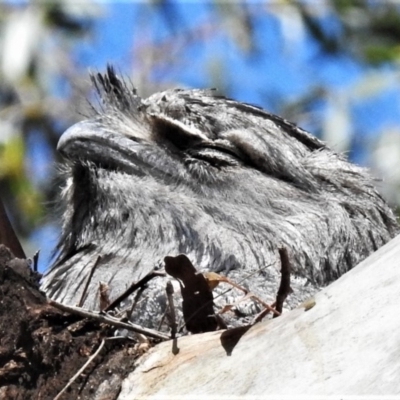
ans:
(197, 304)
(104, 296)
(213, 279)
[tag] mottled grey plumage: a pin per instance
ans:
(188, 171)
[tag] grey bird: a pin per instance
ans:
(224, 182)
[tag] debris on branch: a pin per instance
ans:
(62, 351)
(89, 278)
(198, 301)
(197, 298)
(108, 319)
(172, 315)
(131, 289)
(104, 296)
(42, 347)
(284, 287)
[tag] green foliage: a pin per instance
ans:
(36, 42)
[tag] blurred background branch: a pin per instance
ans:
(331, 66)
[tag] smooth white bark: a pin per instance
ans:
(347, 344)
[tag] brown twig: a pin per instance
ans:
(284, 287)
(259, 317)
(91, 358)
(162, 318)
(252, 296)
(231, 288)
(133, 287)
(249, 294)
(107, 319)
(82, 299)
(103, 296)
(276, 312)
(35, 261)
(135, 302)
(72, 380)
(174, 326)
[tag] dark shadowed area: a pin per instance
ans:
(42, 348)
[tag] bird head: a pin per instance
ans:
(227, 183)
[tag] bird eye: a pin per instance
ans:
(216, 155)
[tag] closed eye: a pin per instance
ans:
(194, 144)
(215, 154)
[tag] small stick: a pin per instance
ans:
(135, 302)
(174, 325)
(35, 260)
(103, 295)
(108, 320)
(88, 281)
(263, 313)
(249, 294)
(284, 287)
(133, 287)
(227, 291)
(162, 318)
(267, 306)
(72, 380)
